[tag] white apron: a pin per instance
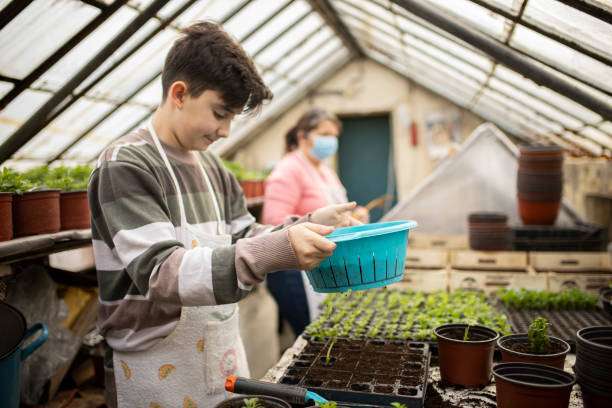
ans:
(335, 195)
(188, 368)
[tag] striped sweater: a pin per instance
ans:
(145, 274)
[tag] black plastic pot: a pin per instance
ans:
(528, 385)
(606, 299)
(264, 401)
(467, 363)
(508, 355)
(594, 365)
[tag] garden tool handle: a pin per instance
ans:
(289, 393)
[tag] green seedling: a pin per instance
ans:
(333, 341)
(469, 323)
(328, 404)
(251, 403)
(537, 335)
(398, 405)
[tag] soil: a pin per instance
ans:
(434, 400)
(554, 348)
(457, 334)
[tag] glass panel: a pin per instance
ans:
(38, 31)
(373, 35)
(586, 144)
(214, 10)
(290, 40)
(5, 87)
(567, 22)
(559, 55)
(475, 16)
(80, 55)
(305, 50)
(285, 19)
(338, 56)
(118, 124)
(511, 6)
(544, 108)
(151, 94)
(251, 16)
(606, 127)
(64, 129)
(19, 110)
(561, 102)
(598, 136)
(145, 63)
(299, 71)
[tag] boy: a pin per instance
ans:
(174, 245)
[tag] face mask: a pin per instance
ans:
(324, 146)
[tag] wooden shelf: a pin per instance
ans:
(36, 246)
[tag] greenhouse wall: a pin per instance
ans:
(366, 88)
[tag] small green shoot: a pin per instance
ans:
(398, 405)
(251, 403)
(328, 404)
(537, 336)
(333, 341)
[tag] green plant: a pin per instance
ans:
(537, 335)
(13, 182)
(328, 404)
(68, 178)
(333, 341)
(398, 405)
(251, 403)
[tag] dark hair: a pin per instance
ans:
(308, 121)
(207, 58)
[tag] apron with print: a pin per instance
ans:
(188, 368)
(335, 195)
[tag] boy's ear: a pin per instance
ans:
(178, 93)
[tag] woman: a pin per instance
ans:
(300, 184)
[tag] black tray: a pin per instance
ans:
(581, 237)
(360, 380)
(564, 323)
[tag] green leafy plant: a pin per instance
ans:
(68, 178)
(398, 405)
(13, 182)
(333, 341)
(328, 404)
(546, 300)
(469, 323)
(251, 403)
(537, 335)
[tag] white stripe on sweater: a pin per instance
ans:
(195, 278)
(130, 244)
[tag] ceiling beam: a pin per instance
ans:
(506, 56)
(590, 7)
(329, 15)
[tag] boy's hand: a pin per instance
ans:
(309, 246)
(337, 215)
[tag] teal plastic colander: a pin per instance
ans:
(367, 256)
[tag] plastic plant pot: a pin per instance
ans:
(6, 216)
(594, 364)
(36, 212)
(606, 299)
(528, 385)
(74, 210)
(533, 151)
(538, 212)
(467, 363)
(553, 360)
(367, 256)
(262, 401)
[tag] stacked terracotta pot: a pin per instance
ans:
(540, 184)
(489, 231)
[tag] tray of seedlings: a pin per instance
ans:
(373, 372)
(382, 314)
(567, 311)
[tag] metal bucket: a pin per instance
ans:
(14, 333)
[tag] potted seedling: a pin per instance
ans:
(465, 352)
(11, 183)
(535, 346)
(256, 401)
(35, 207)
(74, 206)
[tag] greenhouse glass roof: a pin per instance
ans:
(77, 74)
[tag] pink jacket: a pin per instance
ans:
(294, 189)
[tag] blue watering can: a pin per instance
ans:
(14, 333)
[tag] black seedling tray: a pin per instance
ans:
(564, 323)
(374, 372)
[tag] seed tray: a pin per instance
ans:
(374, 372)
(564, 323)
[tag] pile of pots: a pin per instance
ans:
(489, 231)
(540, 184)
(594, 365)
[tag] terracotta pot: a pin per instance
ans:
(539, 196)
(466, 363)
(36, 212)
(508, 355)
(259, 188)
(534, 151)
(6, 216)
(263, 401)
(74, 210)
(538, 212)
(527, 385)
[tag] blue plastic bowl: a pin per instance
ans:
(367, 256)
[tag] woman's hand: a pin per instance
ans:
(335, 215)
(362, 214)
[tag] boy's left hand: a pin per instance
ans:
(336, 215)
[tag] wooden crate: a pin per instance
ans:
(426, 258)
(571, 261)
(427, 280)
(423, 240)
(590, 282)
(489, 260)
(490, 281)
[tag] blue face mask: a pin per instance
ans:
(324, 146)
